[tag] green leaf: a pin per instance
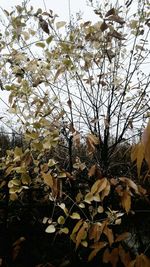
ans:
(40, 44)
(64, 230)
(61, 220)
(49, 39)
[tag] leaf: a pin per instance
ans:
(116, 18)
(81, 234)
(137, 154)
(106, 191)
(106, 256)
(108, 232)
(121, 237)
(124, 256)
(114, 257)
(64, 230)
(50, 229)
(58, 72)
(126, 201)
(92, 170)
(88, 198)
(25, 179)
(100, 209)
(43, 24)
(97, 247)
(95, 232)
(75, 215)
(9, 170)
(112, 11)
(99, 186)
(130, 183)
(61, 220)
(40, 44)
(60, 24)
(77, 226)
(48, 179)
(142, 261)
(104, 26)
(91, 141)
(146, 142)
(49, 39)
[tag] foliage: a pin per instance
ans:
(72, 88)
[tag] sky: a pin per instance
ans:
(61, 7)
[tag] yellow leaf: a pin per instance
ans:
(137, 154)
(48, 179)
(81, 234)
(77, 226)
(126, 201)
(75, 215)
(106, 191)
(146, 142)
(130, 183)
(88, 198)
(9, 170)
(25, 179)
(99, 186)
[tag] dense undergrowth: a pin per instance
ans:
(85, 217)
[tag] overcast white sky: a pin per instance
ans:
(61, 7)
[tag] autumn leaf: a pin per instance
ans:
(130, 183)
(146, 142)
(92, 170)
(99, 186)
(124, 256)
(106, 256)
(137, 154)
(91, 142)
(81, 233)
(126, 201)
(122, 236)
(43, 24)
(108, 232)
(97, 247)
(114, 257)
(48, 179)
(95, 232)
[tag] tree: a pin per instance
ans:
(79, 80)
(93, 73)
